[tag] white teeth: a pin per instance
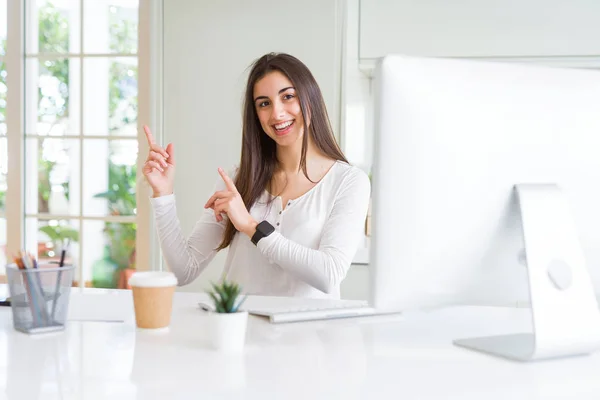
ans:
(283, 125)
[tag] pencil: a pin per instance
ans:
(21, 266)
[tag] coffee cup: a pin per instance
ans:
(153, 298)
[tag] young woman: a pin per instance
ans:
(293, 212)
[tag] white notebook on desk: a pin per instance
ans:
(100, 306)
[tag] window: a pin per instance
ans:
(79, 136)
(3, 144)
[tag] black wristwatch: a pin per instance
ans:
(263, 229)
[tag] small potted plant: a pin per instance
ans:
(227, 322)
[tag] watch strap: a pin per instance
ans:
(263, 229)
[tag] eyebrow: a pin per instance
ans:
(281, 91)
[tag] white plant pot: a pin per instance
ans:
(227, 332)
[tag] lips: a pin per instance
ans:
(284, 128)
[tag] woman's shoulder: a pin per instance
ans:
(348, 175)
(346, 170)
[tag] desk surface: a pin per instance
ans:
(399, 357)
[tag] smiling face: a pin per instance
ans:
(278, 109)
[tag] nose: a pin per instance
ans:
(277, 110)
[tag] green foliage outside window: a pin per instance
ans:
(54, 37)
(121, 200)
(122, 178)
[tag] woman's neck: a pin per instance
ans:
(289, 157)
(289, 161)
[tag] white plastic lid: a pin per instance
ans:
(153, 279)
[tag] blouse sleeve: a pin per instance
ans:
(187, 258)
(325, 268)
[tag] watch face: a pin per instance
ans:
(266, 228)
(262, 229)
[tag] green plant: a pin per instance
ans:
(45, 168)
(121, 189)
(58, 234)
(121, 201)
(225, 297)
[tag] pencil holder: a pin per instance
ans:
(39, 297)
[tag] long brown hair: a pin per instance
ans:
(259, 158)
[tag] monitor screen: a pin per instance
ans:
(452, 139)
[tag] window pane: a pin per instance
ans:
(2, 249)
(109, 176)
(3, 92)
(52, 176)
(110, 96)
(3, 150)
(3, 172)
(52, 26)
(3, 22)
(49, 237)
(111, 26)
(108, 249)
(52, 96)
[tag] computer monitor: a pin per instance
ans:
(469, 157)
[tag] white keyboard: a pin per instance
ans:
(298, 313)
(279, 315)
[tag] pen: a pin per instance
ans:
(59, 277)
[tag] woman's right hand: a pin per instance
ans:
(159, 168)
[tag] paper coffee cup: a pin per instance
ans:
(153, 298)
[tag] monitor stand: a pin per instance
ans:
(565, 315)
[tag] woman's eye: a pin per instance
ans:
(288, 96)
(263, 104)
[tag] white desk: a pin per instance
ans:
(409, 357)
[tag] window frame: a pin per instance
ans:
(148, 60)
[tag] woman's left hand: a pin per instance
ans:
(230, 202)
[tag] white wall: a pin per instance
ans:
(552, 32)
(208, 46)
(480, 28)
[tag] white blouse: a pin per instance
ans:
(316, 237)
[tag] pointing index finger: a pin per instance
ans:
(149, 136)
(152, 144)
(228, 181)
